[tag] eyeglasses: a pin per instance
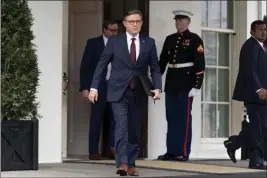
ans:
(113, 30)
(131, 22)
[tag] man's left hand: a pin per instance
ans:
(194, 92)
(156, 94)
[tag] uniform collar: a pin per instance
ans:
(183, 33)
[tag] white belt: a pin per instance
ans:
(188, 64)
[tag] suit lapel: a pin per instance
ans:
(142, 47)
(101, 44)
(126, 50)
(257, 43)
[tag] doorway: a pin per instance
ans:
(85, 21)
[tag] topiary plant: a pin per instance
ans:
(19, 67)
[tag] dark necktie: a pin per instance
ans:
(133, 57)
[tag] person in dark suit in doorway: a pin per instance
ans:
(91, 57)
(130, 55)
(250, 88)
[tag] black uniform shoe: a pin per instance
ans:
(230, 150)
(165, 157)
(180, 158)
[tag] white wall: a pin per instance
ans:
(252, 14)
(161, 24)
(255, 11)
(47, 29)
(262, 8)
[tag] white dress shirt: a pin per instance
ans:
(137, 43)
(109, 65)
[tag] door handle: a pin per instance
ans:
(66, 80)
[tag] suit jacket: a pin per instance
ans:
(252, 73)
(123, 70)
(91, 57)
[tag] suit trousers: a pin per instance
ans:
(253, 134)
(128, 119)
(97, 111)
(179, 123)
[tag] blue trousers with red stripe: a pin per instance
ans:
(179, 119)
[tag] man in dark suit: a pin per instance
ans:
(91, 57)
(250, 88)
(130, 55)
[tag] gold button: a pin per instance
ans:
(173, 60)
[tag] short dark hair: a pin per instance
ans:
(109, 22)
(255, 23)
(133, 12)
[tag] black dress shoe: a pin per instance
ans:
(165, 157)
(230, 150)
(180, 158)
(258, 166)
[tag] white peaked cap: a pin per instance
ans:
(181, 13)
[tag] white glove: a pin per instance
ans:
(194, 92)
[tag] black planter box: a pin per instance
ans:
(19, 145)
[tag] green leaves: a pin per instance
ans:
(19, 65)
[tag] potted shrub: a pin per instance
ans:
(19, 81)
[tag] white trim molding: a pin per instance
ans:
(220, 30)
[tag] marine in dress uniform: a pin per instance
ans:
(183, 55)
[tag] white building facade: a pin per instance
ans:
(223, 27)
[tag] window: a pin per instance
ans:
(217, 14)
(217, 24)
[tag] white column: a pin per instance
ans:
(48, 31)
(261, 9)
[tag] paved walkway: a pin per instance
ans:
(85, 168)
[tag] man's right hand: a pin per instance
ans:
(85, 94)
(262, 94)
(93, 96)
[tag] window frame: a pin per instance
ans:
(229, 102)
(231, 33)
(223, 30)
